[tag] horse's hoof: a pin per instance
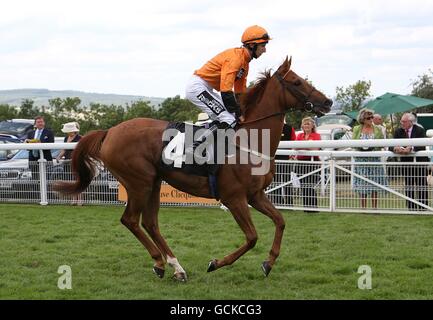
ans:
(266, 268)
(212, 266)
(159, 272)
(180, 276)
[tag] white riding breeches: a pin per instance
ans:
(199, 92)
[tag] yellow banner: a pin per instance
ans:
(172, 195)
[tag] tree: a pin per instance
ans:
(423, 88)
(353, 97)
(7, 112)
(105, 116)
(63, 111)
(28, 110)
(177, 109)
(139, 109)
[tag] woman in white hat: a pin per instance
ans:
(202, 119)
(71, 129)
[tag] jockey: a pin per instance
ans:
(227, 73)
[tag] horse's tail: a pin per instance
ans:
(83, 163)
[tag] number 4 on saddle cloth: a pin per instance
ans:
(207, 157)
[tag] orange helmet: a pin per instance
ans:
(255, 34)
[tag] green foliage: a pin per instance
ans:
(139, 109)
(423, 88)
(28, 110)
(177, 109)
(353, 97)
(99, 116)
(62, 111)
(105, 116)
(7, 112)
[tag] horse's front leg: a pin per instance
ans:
(240, 211)
(261, 203)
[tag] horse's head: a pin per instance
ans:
(299, 93)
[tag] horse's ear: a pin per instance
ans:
(285, 67)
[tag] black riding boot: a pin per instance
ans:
(212, 129)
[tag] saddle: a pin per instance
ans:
(176, 138)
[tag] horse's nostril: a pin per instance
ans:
(328, 102)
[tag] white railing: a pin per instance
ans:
(334, 184)
(347, 184)
(356, 143)
(340, 185)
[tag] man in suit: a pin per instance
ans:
(415, 177)
(43, 135)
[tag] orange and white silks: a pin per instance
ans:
(227, 71)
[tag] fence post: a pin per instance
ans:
(43, 180)
(332, 181)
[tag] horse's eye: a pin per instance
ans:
(297, 82)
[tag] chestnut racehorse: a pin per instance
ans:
(131, 151)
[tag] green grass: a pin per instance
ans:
(320, 255)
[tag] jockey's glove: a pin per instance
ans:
(230, 103)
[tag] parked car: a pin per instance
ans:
(16, 128)
(16, 180)
(335, 119)
(9, 138)
(16, 177)
(7, 154)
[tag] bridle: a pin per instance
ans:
(305, 99)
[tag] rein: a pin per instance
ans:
(305, 99)
(296, 93)
(264, 117)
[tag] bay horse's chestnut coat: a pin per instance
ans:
(132, 151)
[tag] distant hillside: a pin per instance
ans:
(41, 97)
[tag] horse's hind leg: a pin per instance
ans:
(265, 206)
(241, 213)
(131, 219)
(149, 221)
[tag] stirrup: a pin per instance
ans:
(201, 139)
(189, 150)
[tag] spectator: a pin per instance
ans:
(366, 130)
(282, 171)
(415, 120)
(414, 176)
(378, 121)
(71, 129)
(308, 183)
(43, 135)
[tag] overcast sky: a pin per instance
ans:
(151, 48)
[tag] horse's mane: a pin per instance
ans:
(255, 93)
